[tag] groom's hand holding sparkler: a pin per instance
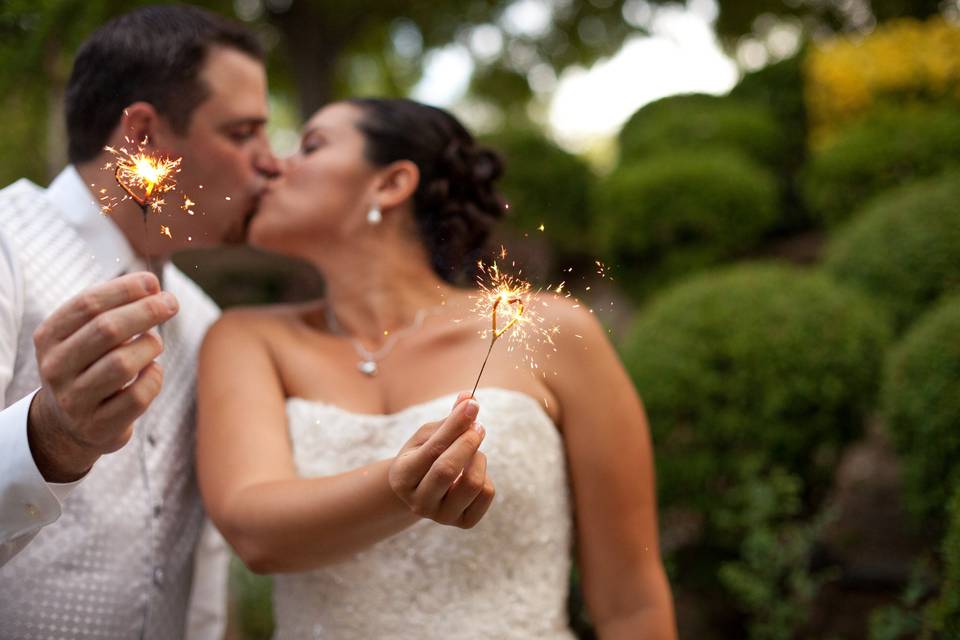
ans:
(440, 474)
(95, 356)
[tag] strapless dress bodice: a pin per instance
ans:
(506, 578)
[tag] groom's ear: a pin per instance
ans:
(140, 124)
(398, 182)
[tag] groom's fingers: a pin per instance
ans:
(110, 374)
(115, 327)
(128, 405)
(86, 306)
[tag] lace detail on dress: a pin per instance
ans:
(505, 578)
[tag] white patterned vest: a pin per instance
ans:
(118, 563)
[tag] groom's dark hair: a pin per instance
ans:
(154, 54)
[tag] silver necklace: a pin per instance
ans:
(369, 360)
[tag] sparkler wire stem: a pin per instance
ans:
(483, 366)
(146, 238)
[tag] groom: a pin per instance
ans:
(98, 357)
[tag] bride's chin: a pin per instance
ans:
(263, 235)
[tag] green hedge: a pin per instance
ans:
(884, 150)
(922, 406)
(546, 185)
(779, 87)
(903, 249)
(681, 211)
(753, 366)
(942, 616)
(697, 122)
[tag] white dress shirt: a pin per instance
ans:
(64, 228)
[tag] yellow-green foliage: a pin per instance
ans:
(902, 60)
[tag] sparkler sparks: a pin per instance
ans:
(142, 176)
(511, 305)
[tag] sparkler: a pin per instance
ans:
(144, 178)
(506, 300)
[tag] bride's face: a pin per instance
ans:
(325, 190)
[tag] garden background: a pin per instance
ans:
(780, 263)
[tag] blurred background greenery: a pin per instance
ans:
(781, 259)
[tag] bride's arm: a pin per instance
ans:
(610, 460)
(277, 521)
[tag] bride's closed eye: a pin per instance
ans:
(310, 144)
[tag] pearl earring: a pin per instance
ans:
(374, 216)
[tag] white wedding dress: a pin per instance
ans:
(505, 578)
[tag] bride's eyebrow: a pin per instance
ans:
(314, 130)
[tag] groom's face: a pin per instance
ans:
(227, 160)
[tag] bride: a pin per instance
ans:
(303, 410)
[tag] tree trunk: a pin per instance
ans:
(313, 40)
(56, 130)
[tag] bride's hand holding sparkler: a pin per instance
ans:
(88, 352)
(440, 474)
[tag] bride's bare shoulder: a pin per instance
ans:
(565, 316)
(266, 321)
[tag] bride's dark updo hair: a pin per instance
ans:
(455, 205)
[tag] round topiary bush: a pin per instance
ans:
(921, 394)
(681, 211)
(903, 249)
(752, 367)
(698, 121)
(883, 150)
(544, 184)
(942, 616)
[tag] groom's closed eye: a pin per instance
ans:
(241, 132)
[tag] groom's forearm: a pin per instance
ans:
(306, 523)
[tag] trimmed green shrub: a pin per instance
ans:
(252, 606)
(942, 616)
(750, 367)
(770, 579)
(921, 395)
(681, 211)
(903, 249)
(544, 184)
(780, 88)
(696, 122)
(884, 150)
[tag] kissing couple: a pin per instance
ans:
(328, 442)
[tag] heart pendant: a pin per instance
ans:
(516, 305)
(367, 368)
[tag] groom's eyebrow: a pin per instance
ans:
(257, 121)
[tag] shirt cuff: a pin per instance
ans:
(27, 501)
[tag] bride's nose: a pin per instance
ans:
(268, 164)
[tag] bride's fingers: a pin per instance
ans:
(463, 395)
(445, 471)
(417, 463)
(464, 491)
(420, 436)
(472, 515)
